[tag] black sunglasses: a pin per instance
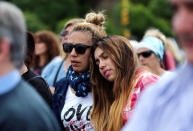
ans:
(145, 54)
(79, 48)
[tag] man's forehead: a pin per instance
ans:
(186, 4)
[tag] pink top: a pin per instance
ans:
(170, 61)
(144, 79)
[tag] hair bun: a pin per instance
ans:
(95, 18)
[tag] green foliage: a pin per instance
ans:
(144, 2)
(111, 29)
(142, 18)
(53, 14)
(164, 26)
(84, 7)
(113, 25)
(49, 11)
(160, 8)
(33, 22)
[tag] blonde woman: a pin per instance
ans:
(72, 99)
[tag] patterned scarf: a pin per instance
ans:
(79, 83)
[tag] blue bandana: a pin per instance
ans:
(154, 44)
(79, 83)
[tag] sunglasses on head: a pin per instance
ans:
(145, 54)
(64, 33)
(79, 48)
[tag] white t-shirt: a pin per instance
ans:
(75, 114)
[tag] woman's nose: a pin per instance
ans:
(101, 64)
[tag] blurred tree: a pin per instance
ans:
(33, 23)
(52, 14)
(142, 18)
(84, 7)
(165, 26)
(160, 8)
(111, 29)
(144, 2)
(51, 11)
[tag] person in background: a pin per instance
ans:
(134, 43)
(56, 69)
(22, 108)
(35, 80)
(168, 61)
(68, 27)
(47, 47)
(72, 99)
(150, 53)
(117, 82)
(175, 51)
(167, 105)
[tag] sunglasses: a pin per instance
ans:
(64, 33)
(79, 48)
(145, 54)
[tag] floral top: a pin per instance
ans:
(144, 79)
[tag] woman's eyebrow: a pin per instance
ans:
(102, 54)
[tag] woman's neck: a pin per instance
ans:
(42, 60)
(158, 71)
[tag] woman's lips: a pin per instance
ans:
(107, 73)
(75, 63)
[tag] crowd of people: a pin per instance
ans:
(88, 80)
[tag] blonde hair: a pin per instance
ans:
(173, 49)
(73, 21)
(93, 24)
(97, 19)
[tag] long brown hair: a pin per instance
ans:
(110, 98)
(52, 43)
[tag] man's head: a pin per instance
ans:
(12, 34)
(183, 25)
